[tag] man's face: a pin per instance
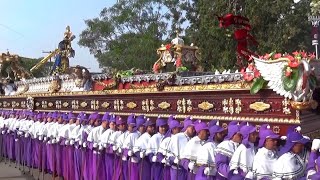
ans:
(191, 131)
(151, 129)
(130, 128)
(112, 125)
(203, 134)
(122, 127)
(237, 138)
(104, 124)
(142, 129)
(271, 144)
(97, 122)
(176, 130)
(163, 129)
(253, 137)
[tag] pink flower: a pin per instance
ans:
(168, 47)
(296, 53)
(267, 56)
(312, 56)
(293, 64)
(277, 56)
(256, 73)
(291, 58)
(303, 54)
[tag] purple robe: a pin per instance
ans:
(145, 169)
(77, 160)
(223, 168)
(109, 162)
(201, 176)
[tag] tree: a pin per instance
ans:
(278, 25)
(43, 71)
(127, 34)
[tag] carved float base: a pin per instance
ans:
(304, 105)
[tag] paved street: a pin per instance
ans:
(10, 173)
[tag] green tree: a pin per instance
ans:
(279, 25)
(127, 34)
(43, 71)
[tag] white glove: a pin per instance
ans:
(80, 143)
(164, 161)
(95, 145)
(45, 138)
(310, 173)
(191, 165)
(142, 155)
(206, 171)
(306, 137)
(105, 145)
(8, 131)
(57, 139)
(130, 153)
(40, 138)
(66, 142)
(315, 144)
(249, 175)
(114, 148)
(84, 144)
(154, 158)
(16, 140)
(71, 142)
(120, 150)
(26, 135)
(176, 160)
(100, 147)
(3, 132)
(53, 141)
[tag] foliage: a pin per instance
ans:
(44, 70)
(126, 35)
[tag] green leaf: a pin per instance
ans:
(290, 83)
(258, 84)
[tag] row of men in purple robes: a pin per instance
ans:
(110, 147)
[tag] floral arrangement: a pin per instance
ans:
(290, 71)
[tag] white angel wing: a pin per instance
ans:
(272, 71)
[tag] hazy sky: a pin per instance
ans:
(27, 27)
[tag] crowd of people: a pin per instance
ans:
(94, 146)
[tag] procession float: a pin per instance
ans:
(278, 89)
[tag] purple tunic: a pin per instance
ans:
(223, 168)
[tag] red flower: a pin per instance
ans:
(291, 58)
(256, 73)
(296, 53)
(277, 56)
(156, 68)
(168, 47)
(288, 73)
(178, 62)
(267, 56)
(303, 54)
(293, 64)
(312, 56)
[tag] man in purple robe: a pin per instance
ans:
(162, 154)
(128, 144)
(189, 153)
(140, 149)
(153, 147)
(226, 149)
(175, 148)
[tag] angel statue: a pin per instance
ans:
(287, 75)
(64, 52)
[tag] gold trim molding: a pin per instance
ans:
(259, 106)
(188, 88)
(105, 105)
(202, 117)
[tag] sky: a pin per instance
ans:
(28, 27)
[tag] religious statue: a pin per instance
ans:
(65, 51)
